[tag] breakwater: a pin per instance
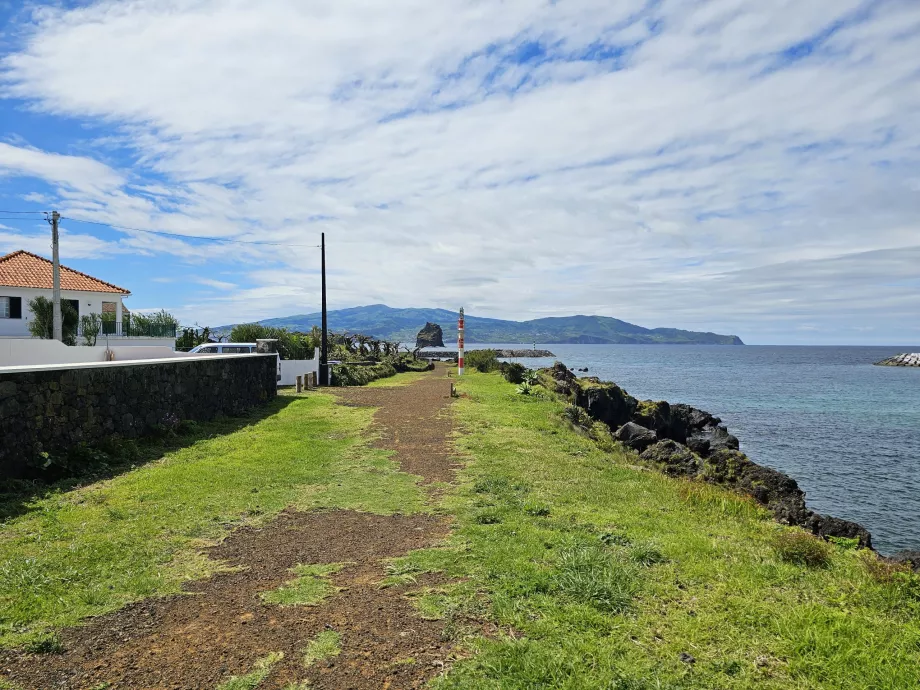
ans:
(684, 441)
(907, 359)
(452, 354)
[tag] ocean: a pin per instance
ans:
(847, 431)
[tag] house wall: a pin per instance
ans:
(52, 409)
(90, 303)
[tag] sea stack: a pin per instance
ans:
(909, 359)
(430, 336)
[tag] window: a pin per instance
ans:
(236, 349)
(209, 350)
(10, 307)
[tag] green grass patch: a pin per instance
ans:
(626, 570)
(252, 679)
(74, 552)
(309, 588)
(325, 645)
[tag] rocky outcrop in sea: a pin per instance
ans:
(683, 441)
(907, 359)
(506, 354)
(430, 336)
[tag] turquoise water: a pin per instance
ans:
(846, 431)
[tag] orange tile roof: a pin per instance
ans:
(28, 270)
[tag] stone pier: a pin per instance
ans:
(909, 359)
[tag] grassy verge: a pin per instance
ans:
(77, 552)
(599, 574)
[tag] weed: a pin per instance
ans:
(45, 644)
(801, 548)
(323, 646)
(536, 508)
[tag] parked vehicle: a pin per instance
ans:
(223, 349)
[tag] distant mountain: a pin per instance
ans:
(387, 323)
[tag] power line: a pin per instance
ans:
(187, 237)
(23, 212)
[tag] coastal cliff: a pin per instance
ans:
(683, 441)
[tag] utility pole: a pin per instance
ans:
(324, 350)
(58, 326)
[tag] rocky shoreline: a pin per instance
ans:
(907, 359)
(508, 354)
(683, 441)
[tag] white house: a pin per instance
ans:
(24, 276)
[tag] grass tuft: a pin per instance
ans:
(251, 680)
(801, 548)
(309, 588)
(592, 575)
(325, 645)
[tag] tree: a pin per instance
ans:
(42, 323)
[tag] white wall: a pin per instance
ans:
(90, 303)
(19, 352)
(292, 368)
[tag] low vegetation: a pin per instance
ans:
(69, 551)
(323, 646)
(252, 679)
(598, 574)
(308, 588)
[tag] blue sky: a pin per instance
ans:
(742, 167)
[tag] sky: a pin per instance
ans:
(734, 166)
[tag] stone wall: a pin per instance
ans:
(45, 409)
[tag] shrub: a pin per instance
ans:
(351, 375)
(525, 389)
(513, 372)
(483, 360)
(796, 546)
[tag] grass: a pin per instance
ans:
(405, 379)
(323, 646)
(77, 552)
(309, 588)
(599, 574)
(252, 679)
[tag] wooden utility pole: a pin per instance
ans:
(58, 326)
(324, 350)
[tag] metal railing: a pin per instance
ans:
(128, 329)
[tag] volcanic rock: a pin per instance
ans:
(636, 437)
(430, 336)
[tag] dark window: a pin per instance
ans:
(236, 349)
(75, 303)
(209, 350)
(15, 307)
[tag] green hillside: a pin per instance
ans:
(402, 325)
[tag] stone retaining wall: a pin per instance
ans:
(44, 409)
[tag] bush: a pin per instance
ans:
(513, 372)
(795, 546)
(483, 360)
(578, 416)
(351, 375)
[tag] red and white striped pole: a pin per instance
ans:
(460, 344)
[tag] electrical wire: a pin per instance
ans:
(163, 233)
(23, 212)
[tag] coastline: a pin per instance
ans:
(684, 441)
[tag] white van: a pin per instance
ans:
(223, 349)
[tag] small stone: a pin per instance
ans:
(687, 658)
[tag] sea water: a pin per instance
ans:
(847, 431)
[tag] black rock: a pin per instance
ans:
(827, 526)
(672, 458)
(430, 336)
(909, 557)
(605, 402)
(636, 437)
(687, 658)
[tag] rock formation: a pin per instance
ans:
(910, 359)
(430, 336)
(683, 441)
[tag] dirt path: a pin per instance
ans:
(220, 626)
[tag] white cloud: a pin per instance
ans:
(695, 176)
